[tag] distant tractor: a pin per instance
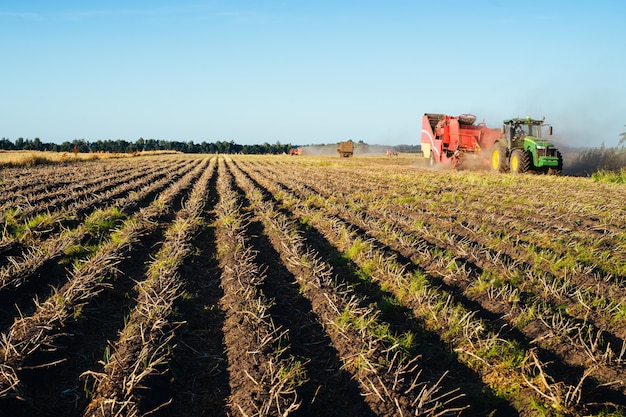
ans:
(522, 148)
(345, 149)
(295, 151)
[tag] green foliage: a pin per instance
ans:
(611, 412)
(76, 251)
(508, 353)
(14, 227)
(406, 340)
(141, 144)
(78, 312)
(106, 356)
(391, 307)
(101, 222)
(618, 313)
(39, 221)
(292, 373)
(604, 175)
(357, 247)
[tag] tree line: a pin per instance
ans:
(124, 146)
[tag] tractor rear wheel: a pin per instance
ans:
(520, 161)
(498, 158)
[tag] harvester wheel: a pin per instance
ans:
(498, 158)
(520, 161)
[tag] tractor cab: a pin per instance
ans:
(518, 131)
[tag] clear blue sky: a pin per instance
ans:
(307, 72)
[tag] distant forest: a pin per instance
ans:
(123, 146)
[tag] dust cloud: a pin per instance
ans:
(360, 149)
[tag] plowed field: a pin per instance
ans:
(218, 285)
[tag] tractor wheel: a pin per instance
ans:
(520, 161)
(498, 158)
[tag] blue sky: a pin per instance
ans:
(307, 72)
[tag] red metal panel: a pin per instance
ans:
(428, 136)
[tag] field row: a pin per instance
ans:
(254, 286)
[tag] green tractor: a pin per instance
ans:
(522, 149)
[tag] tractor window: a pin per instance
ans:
(536, 131)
